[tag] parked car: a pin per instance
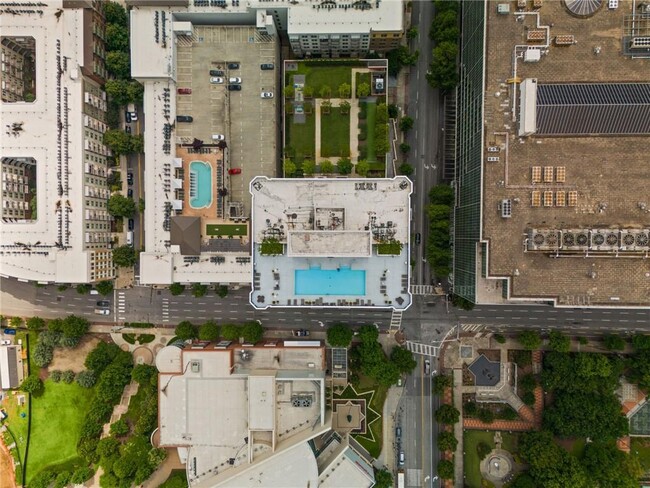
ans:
(184, 91)
(216, 80)
(103, 303)
(301, 332)
(398, 434)
(402, 458)
(129, 193)
(266, 95)
(266, 66)
(102, 311)
(427, 367)
(418, 238)
(127, 129)
(233, 65)
(234, 87)
(10, 331)
(129, 178)
(218, 137)
(127, 117)
(131, 109)
(5, 343)
(235, 80)
(216, 72)
(184, 118)
(234, 171)
(131, 224)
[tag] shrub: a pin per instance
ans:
(86, 378)
(62, 479)
(84, 289)
(176, 289)
(16, 322)
(43, 354)
(446, 469)
(222, 291)
(119, 428)
(528, 398)
(105, 287)
(470, 409)
(199, 290)
(559, 342)
(42, 480)
(339, 335)
(252, 332)
(508, 414)
(530, 340)
(441, 382)
(501, 339)
(528, 382)
(483, 450)
(82, 475)
(447, 441)
(185, 330)
(209, 331)
(486, 415)
(33, 385)
(142, 374)
(67, 376)
(35, 323)
(230, 332)
(55, 375)
(612, 342)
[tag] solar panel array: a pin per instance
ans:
(593, 109)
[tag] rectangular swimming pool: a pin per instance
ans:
(322, 282)
(200, 184)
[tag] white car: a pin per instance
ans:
(234, 80)
(266, 95)
(218, 137)
(217, 80)
(102, 311)
(5, 343)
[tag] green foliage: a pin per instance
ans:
(271, 246)
(441, 382)
(447, 441)
(176, 289)
(104, 287)
(55, 375)
(339, 335)
(412, 33)
(363, 90)
(289, 167)
(383, 479)
(199, 290)
(82, 475)
(74, 326)
(124, 256)
(42, 480)
(344, 166)
(345, 90)
(86, 378)
(185, 330)
(289, 91)
(121, 206)
(559, 342)
(441, 195)
(581, 371)
(62, 287)
(391, 247)
(230, 332)
(371, 358)
(368, 333)
(403, 359)
(523, 358)
(530, 340)
(117, 91)
(485, 415)
(400, 57)
(443, 72)
(405, 169)
(639, 368)
(101, 356)
(117, 38)
(614, 342)
(362, 167)
(33, 385)
(404, 148)
(608, 466)
(67, 376)
(252, 332)
(326, 167)
(483, 449)
(447, 414)
(528, 382)
(308, 167)
(393, 111)
(143, 374)
(118, 64)
(16, 322)
(209, 331)
(35, 323)
(83, 289)
(583, 341)
(325, 91)
(177, 479)
(406, 124)
(641, 342)
(42, 354)
(500, 338)
(446, 469)
(115, 13)
(222, 291)
(444, 27)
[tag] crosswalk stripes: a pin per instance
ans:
(422, 290)
(121, 305)
(413, 477)
(422, 349)
(165, 309)
(396, 319)
(472, 327)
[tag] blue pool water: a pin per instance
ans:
(200, 184)
(342, 281)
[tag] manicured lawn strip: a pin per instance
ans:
(371, 110)
(334, 134)
(56, 425)
(226, 230)
(641, 448)
(362, 78)
(301, 138)
(317, 76)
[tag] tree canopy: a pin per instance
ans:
(403, 359)
(118, 63)
(252, 332)
(209, 331)
(176, 289)
(362, 167)
(345, 166)
(550, 465)
(121, 206)
(339, 335)
(447, 414)
(530, 340)
(185, 330)
(117, 38)
(35, 323)
(124, 256)
(608, 466)
(559, 342)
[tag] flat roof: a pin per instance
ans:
(261, 401)
(331, 228)
(584, 182)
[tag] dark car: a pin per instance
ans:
(216, 72)
(234, 87)
(184, 118)
(10, 331)
(129, 193)
(418, 238)
(127, 117)
(301, 332)
(267, 66)
(233, 65)
(103, 303)
(127, 129)
(184, 91)
(129, 178)
(131, 224)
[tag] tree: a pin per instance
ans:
(42, 480)
(483, 449)
(42, 354)
(125, 257)
(308, 91)
(117, 38)
(406, 124)
(345, 90)
(135, 91)
(403, 359)
(230, 332)
(117, 91)
(339, 335)
(345, 107)
(447, 414)
(222, 291)
(412, 33)
(289, 167)
(252, 332)
(326, 167)
(175, 288)
(639, 368)
(120, 428)
(559, 342)
(121, 206)
(289, 91)
(308, 167)
(326, 107)
(185, 330)
(441, 382)
(362, 167)
(363, 90)
(368, 333)
(136, 144)
(608, 466)
(118, 64)
(641, 342)
(442, 70)
(405, 169)
(33, 385)
(115, 13)
(345, 166)
(100, 357)
(441, 195)
(199, 290)
(16, 322)
(74, 326)
(209, 331)
(383, 479)
(404, 148)
(612, 342)
(325, 91)
(105, 287)
(486, 415)
(82, 475)
(35, 323)
(142, 374)
(117, 141)
(447, 441)
(446, 469)
(86, 378)
(530, 340)
(55, 375)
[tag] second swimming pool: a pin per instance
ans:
(341, 281)
(200, 184)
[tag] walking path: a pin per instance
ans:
(458, 429)
(170, 463)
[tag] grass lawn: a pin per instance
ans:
(301, 139)
(362, 78)
(226, 230)
(641, 448)
(56, 425)
(177, 478)
(335, 134)
(371, 111)
(317, 76)
(471, 462)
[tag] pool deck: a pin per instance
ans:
(213, 159)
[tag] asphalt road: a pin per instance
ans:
(135, 165)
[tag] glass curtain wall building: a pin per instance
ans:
(468, 183)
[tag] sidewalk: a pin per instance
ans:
(458, 430)
(386, 458)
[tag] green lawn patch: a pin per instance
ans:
(392, 247)
(56, 425)
(226, 230)
(641, 448)
(301, 139)
(319, 74)
(135, 405)
(471, 461)
(362, 78)
(371, 119)
(177, 479)
(334, 134)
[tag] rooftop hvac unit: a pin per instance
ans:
(575, 239)
(301, 400)
(493, 159)
(532, 55)
(543, 240)
(503, 8)
(565, 40)
(604, 239)
(506, 208)
(493, 149)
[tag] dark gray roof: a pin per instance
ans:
(593, 109)
(12, 365)
(186, 233)
(486, 372)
